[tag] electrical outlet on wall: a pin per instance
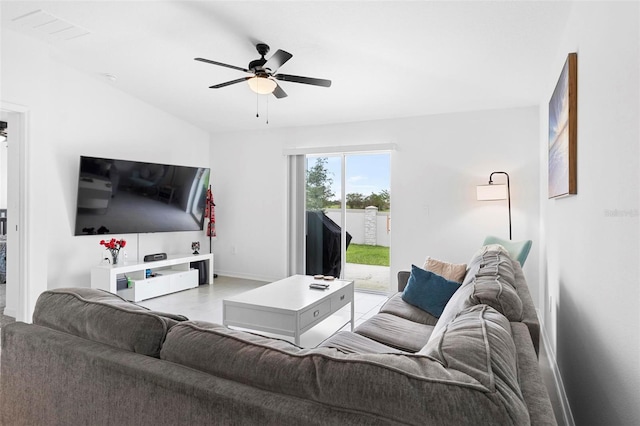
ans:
(234, 250)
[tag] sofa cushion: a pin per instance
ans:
(398, 307)
(104, 317)
(451, 271)
(348, 342)
(428, 291)
(490, 280)
(491, 259)
(478, 342)
(416, 389)
(396, 332)
(498, 265)
(490, 291)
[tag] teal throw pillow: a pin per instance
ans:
(428, 291)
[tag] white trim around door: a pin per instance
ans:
(18, 268)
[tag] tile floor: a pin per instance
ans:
(205, 303)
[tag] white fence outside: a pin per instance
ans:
(363, 231)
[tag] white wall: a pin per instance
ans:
(75, 114)
(589, 268)
(249, 175)
(438, 163)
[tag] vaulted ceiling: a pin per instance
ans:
(386, 59)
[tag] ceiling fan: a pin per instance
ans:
(263, 80)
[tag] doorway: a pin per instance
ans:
(348, 218)
(18, 292)
(4, 319)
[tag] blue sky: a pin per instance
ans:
(365, 173)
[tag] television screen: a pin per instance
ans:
(125, 197)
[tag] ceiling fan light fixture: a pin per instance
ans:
(262, 85)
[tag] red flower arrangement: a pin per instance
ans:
(114, 247)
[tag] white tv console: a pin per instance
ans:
(168, 276)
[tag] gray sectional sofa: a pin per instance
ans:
(92, 358)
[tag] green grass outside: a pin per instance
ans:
(368, 255)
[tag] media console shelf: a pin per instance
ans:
(167, 276)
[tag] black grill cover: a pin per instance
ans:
(323, 244)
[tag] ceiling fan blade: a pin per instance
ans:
(305, 80)
(229, 83)
(208, 61)
(277, 60)
(278, 92)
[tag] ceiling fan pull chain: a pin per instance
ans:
(257, 105)
(267, 109)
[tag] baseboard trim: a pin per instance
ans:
(557, 378)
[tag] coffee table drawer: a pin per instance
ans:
(315, 313)
(341, 298)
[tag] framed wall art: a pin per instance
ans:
(563, 129)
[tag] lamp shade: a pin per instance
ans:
(262, 85)
(491, 192)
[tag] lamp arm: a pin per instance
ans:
(508, 195)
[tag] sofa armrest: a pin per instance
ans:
(403, 278)
(531, 383)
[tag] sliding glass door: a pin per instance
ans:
(347, 218)
(323, 190)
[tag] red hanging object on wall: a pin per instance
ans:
(210, 214)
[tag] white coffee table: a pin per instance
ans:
(287, 307)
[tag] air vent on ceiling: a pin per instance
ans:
(51, 26)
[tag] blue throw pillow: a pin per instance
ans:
(428, 291)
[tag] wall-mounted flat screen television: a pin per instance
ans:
(125, 197)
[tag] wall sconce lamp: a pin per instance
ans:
(493, 192)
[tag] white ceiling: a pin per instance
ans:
(386, 58)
